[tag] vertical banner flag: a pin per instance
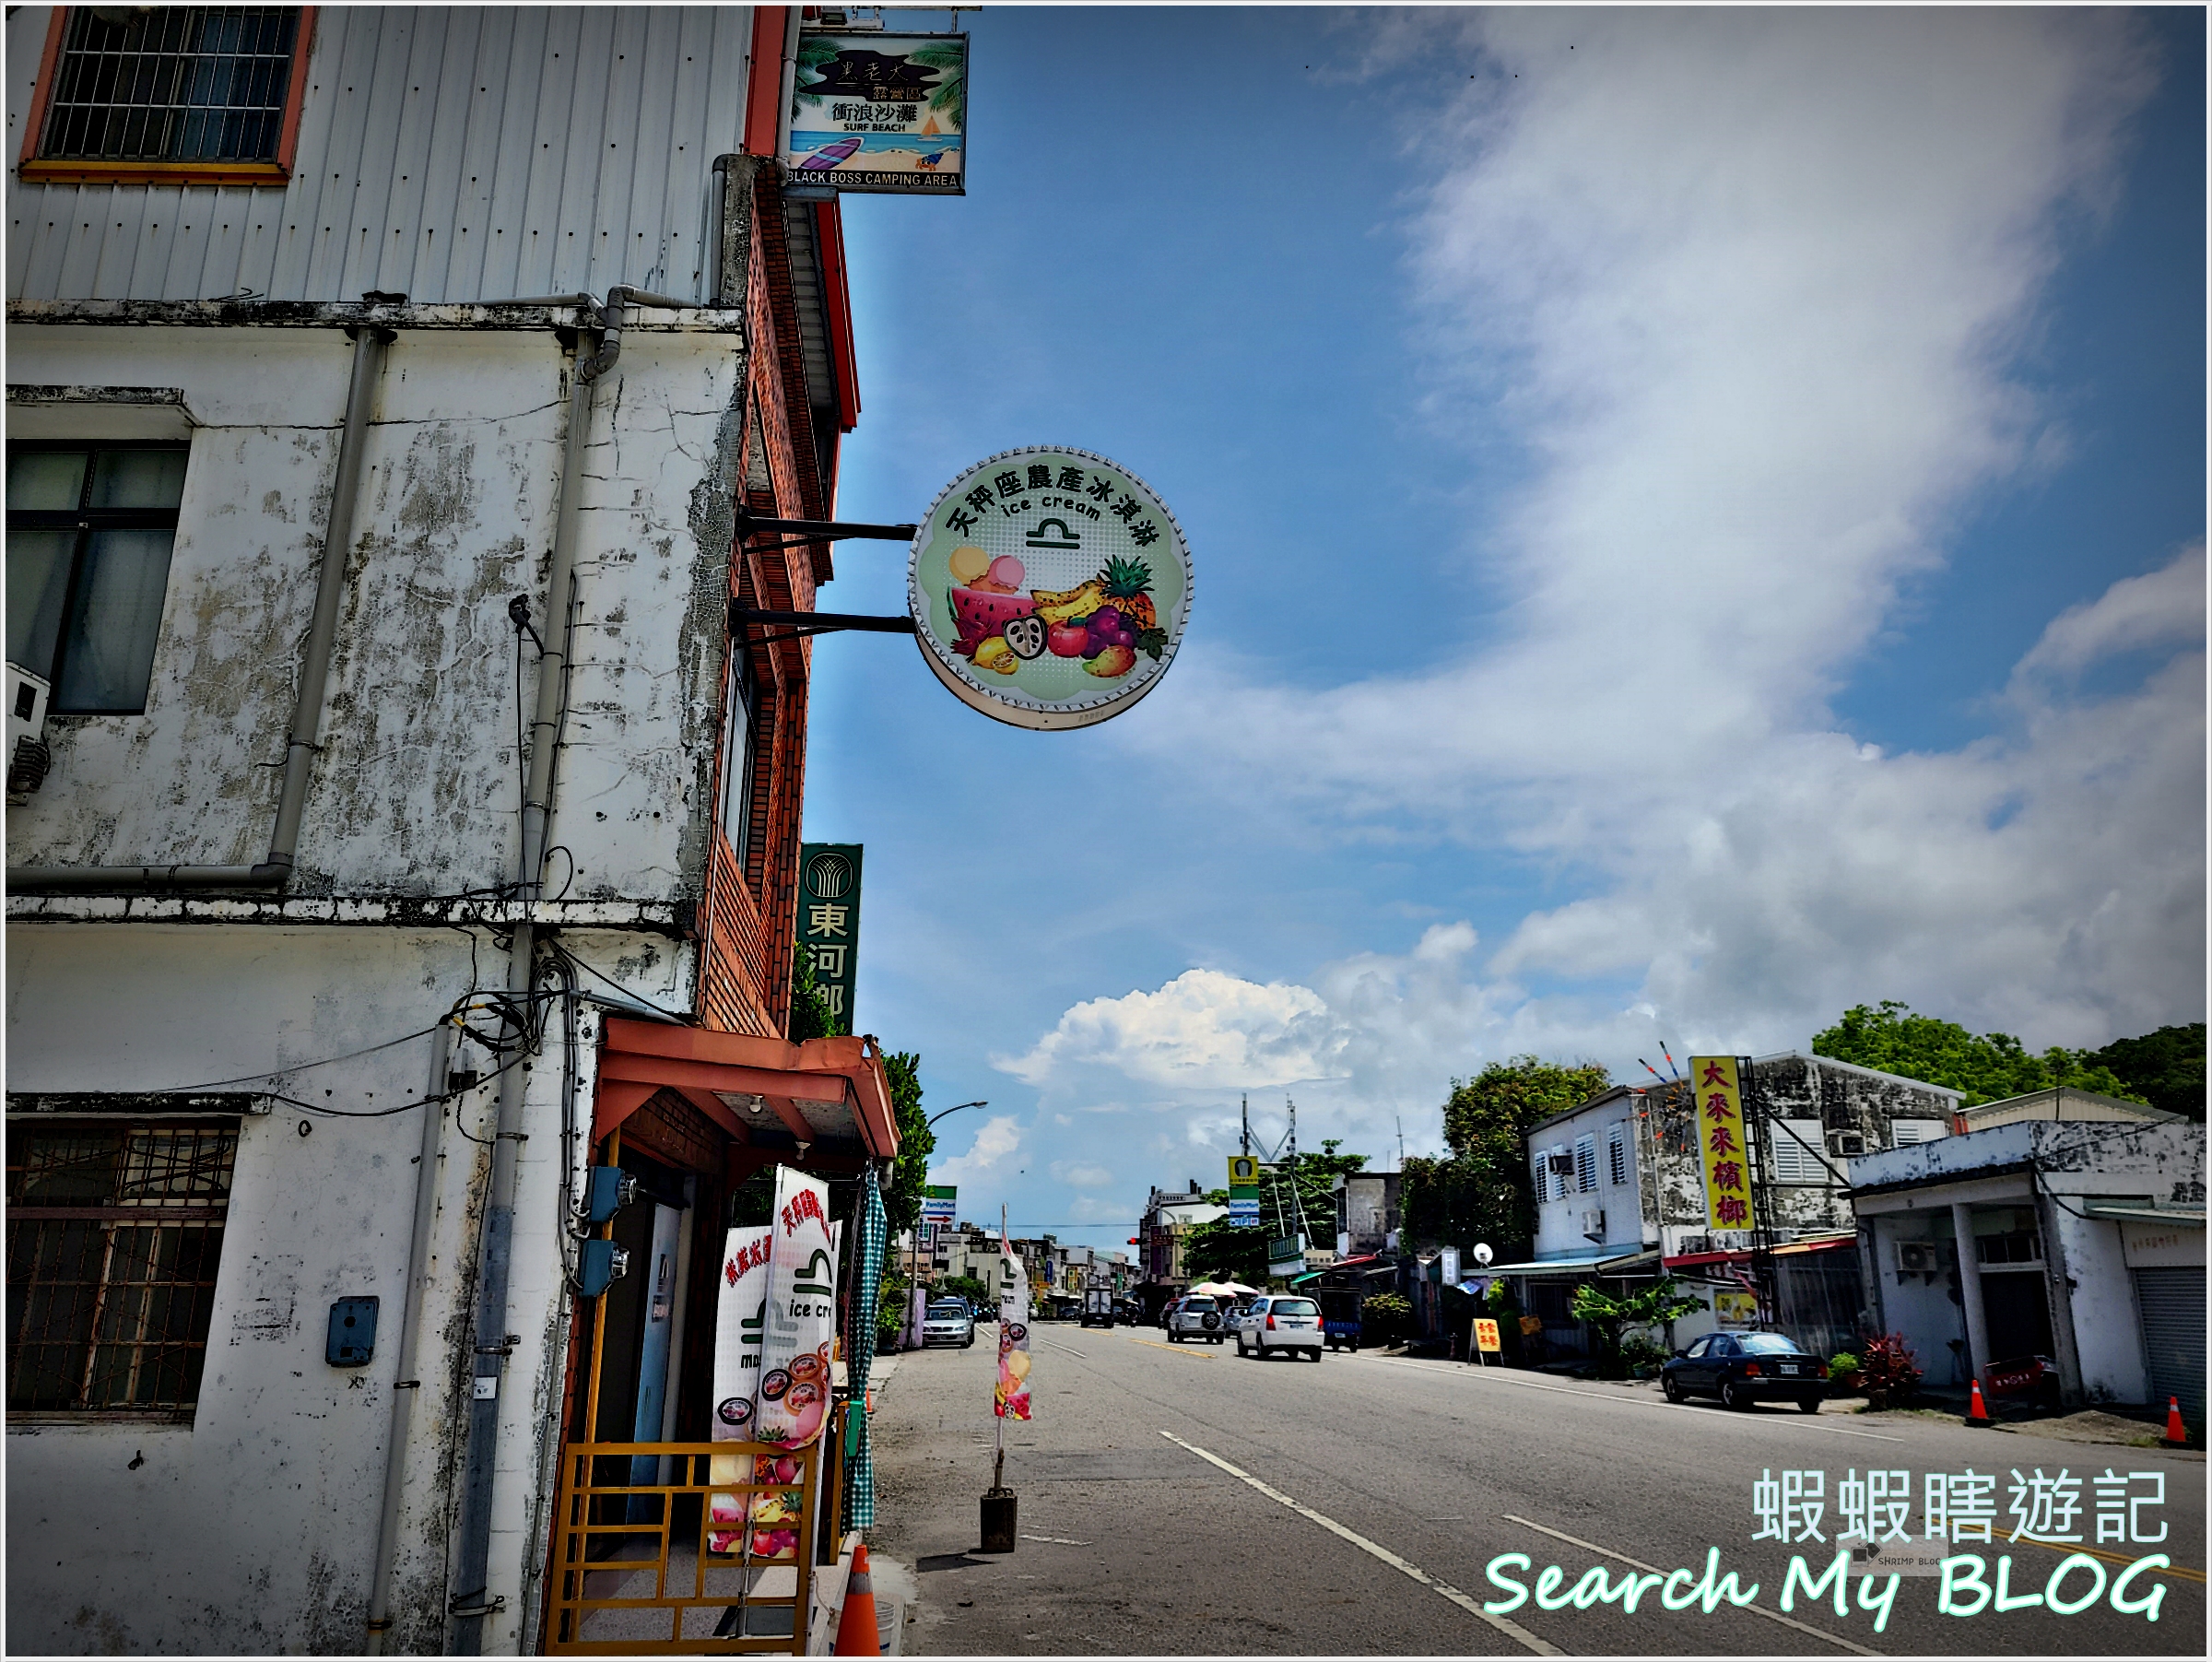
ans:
(1244, 1191)
(741, 1308)
(1012, 1398)
(800, 1323)
(830, 922)
(1722, 1139)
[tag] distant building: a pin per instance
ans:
(1620, 1195)
(1169, 1216)
(1367, 1212)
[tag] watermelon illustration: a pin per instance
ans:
(980, 613)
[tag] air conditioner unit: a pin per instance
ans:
(1846, 1144)
(1563, 1165)
(1916, 1258)
(1594, 1225)
(27, 757)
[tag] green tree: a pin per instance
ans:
(1986, 1067)
(2165, 1069)
(971, 1288)
(1480, 1190)
(1219, 1250)
(810, 1017)
(902, 1197)
(1645, 1308)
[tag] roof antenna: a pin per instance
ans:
(1401, 1119)
(1670, 1061)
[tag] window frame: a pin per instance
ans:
(742, 702)
(1620, 1163)
(1792, 1160)
(86, 521)
(113, 1214)
(31, 167)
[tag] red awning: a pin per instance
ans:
(831, 1092)
(1696, 1260)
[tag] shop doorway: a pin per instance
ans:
(2019, 1314)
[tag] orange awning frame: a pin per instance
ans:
(639, 1059)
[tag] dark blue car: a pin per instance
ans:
(1745, 1368)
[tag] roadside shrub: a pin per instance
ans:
(1641, 1353)
(1842, 1362)
(1889, 1373)
(1387, 1316)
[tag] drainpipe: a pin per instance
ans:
(472, 1602)
(276, 871)
(406, 1383)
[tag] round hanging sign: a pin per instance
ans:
(1049, 587)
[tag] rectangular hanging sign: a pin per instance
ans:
(829, 923)
(1722, 1143)
(880, 112)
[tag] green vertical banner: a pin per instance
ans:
(829, 921)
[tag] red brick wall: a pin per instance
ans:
(745, 980)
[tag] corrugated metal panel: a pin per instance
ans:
(2173, 1303)
(451, 155)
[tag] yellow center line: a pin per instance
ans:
(2109, 1558)
(1176, 1350)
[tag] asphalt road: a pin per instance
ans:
(1180, 1500)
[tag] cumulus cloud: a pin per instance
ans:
(2161, 609)
(1202, 1029)
(999, 1138)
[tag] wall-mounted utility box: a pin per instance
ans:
(600, 1264)
(611, 1189)
(352, 1333)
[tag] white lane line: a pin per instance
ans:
(1511, 1630)
(1069, 1348)
(1057, 1540)
(1804, 1423)
(1751, 1609)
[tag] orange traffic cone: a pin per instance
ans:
(1977, 1412)
(856, 1624)
(2177, 1433)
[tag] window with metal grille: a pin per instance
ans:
(113, 1235)
(89, 531)
(171, 83)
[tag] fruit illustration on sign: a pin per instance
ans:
(1037, 562)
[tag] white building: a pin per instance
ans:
(335, 519)
(2089, 1247)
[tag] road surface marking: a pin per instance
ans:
(1177, 1349)
(1511, 1630)
(1530, 1385)
(2109, 1558)
(1057, 1540)
(1638, 1564)
(1069, 1348)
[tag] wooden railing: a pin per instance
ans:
(631, 1573)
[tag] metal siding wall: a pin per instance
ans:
(2173, 1303)
(448, 154)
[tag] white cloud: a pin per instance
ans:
(999, 1136)
(1204, 1028)
(1081, 1176)
(1749, 288)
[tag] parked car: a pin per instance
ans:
(1098, 1307)
(1745, 1368)
(2027, 1378)
(1280, 1325)
(1190, 1317)
(947, 1322)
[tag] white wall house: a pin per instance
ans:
(2088, 1246)
(305, 515)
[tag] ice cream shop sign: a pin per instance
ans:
(1049, 587)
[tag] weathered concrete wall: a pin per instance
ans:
(416, 790)
(253, 1529)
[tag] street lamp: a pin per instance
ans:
(915, 1248)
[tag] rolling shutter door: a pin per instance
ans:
(2173, 1303)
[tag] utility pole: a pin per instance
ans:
(1245, 1145)
(1401, 1119)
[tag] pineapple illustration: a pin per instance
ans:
(1126, 584)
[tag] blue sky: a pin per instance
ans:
(1698, 522)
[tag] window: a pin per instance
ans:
(1799, 1154)
(1905, 1132)
(1700, 1347)
(1585, 1164)
(1617, 1164)
(195, 94)
(740, 740)
(113, 1235)
(90, 530)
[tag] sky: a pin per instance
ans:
(1697, 519)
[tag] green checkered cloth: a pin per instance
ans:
(860, 1352)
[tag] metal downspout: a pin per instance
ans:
(406, 1382)
(301, 740)
(471, 1604)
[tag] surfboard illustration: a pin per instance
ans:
(829, 156)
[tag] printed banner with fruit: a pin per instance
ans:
(1049, 587)
(740, 1314)
(1011, 1399)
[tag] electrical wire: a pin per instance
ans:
(643, 1003)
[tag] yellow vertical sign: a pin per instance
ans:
(1719, 1098)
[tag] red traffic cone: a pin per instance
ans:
(1977, 1412)
(856, 1623)
(2177, 1433)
